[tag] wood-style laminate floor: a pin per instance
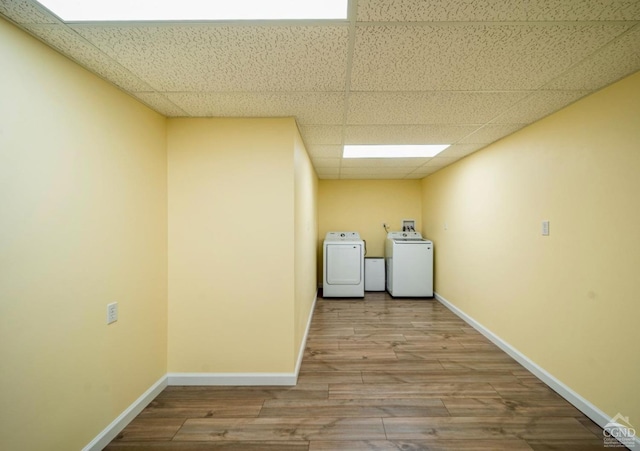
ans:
(378, 374)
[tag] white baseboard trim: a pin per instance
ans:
(597, 415)
(231, 379)
(117, 425)
(303, 345)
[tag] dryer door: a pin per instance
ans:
(344, 264)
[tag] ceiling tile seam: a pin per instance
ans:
(332, 92)
(341, 92)
(409, 175)
(461, 140)
(142, 81)
(564, 105)
(43, 9)
(452, 91)
(461, 23)
(562, 74)
(408, 124)
(211, 24)
(421, 124)
(479, 128)
(352, 14)
(45, 12)
(80, 63)
(427, 164)
(515, 105)
(179, 108)
(594, 54)
(90, 44)
(109, 58)
(115, 62)
(23, 24)
(334, 23)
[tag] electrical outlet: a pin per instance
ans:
(112, 312)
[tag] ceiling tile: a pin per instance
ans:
(538, 105)
(440, 10)
(326, 163)
(328, 176)
(424, 171)
(415, 176)
(490, 133)
(26, 12)
(439, 162)
(395, 171)
(538, 10)
(460, 150)
(205, 57)
(383, 162)
(328, 172)
(307, 107)
(367, 176)
(388, 108)
(69, 43)
(471, 56)
(406, 134)
(618, 59)
(324, 151)
(161, 104)
(321, 134)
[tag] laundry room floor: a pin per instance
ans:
(378, 374)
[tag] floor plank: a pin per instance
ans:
(470, 428)
(281, 429)
(422, 445)
(381, 408)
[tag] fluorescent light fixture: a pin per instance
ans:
(178, 10)
(393, 151)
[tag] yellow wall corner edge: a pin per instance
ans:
(117, 425)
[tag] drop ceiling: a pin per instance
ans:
(463, 72)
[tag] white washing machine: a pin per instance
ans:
(409, 259)
(343, 265)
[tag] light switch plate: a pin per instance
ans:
(112, 312)
(545, 228)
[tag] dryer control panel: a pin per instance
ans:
(342, 236)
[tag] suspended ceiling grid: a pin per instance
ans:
(463, 72)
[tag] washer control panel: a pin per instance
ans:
(406, 236)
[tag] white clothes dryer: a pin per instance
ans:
(409, 259)
(343, 265)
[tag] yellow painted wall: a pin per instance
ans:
(82, 224)
(568, 301)
(363, 206)
(306, 231)
(232, 245)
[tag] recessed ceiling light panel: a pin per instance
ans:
(187, 10)
(393, 151)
